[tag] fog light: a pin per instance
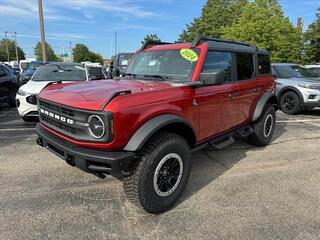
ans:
(312, 96)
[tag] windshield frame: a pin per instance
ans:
(164, 77)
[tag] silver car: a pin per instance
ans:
(298, 88)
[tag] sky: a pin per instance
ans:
(94, 22)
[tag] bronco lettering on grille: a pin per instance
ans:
(56, 116)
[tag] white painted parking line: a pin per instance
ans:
(298, 121)
(16, 129)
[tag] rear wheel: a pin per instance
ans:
(161, 173)
(290, 103)
(264, 127)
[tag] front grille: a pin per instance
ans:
(71, 122)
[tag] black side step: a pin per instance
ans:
(221, 143)
(245, 131)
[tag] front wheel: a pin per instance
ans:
(161, 173)
(290, 103)
(264, 127)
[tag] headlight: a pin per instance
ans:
(308, 85)
(22, 93)
(97, 127)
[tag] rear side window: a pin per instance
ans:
(264, 64)
(245, 67)
(217, 61)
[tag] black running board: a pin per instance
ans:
(221, 143)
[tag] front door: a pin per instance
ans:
(218, 104)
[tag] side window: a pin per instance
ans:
(245, 67)
(264, 64)
(216, 61)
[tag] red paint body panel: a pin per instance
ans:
(209, 109)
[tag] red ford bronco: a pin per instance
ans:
(175, 99)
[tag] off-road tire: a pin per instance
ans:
(296, 104)
(139, 182)
(261, 137)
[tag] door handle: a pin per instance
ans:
(232, 95)
(256, 89)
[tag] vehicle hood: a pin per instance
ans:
(93, 95)
(34, 87)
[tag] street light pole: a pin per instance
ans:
(7, 48)
(43, 40)
(15, 43)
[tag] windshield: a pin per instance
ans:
(170, 64)
(315, 70)
(292, 71)
(124, 59)
(35, 65)
(56, 72)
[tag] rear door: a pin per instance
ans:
(249, 86)
(218, 104)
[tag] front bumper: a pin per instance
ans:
(92, 161)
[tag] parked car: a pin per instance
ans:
(297, 87)
(174, 100)
(8, 85)
(46, 75)
(27, 74)
(96, 72)
(119, 64)
(314, 68)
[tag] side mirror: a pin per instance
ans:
(212, 78)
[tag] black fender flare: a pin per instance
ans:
(142, 135)
(261, 104)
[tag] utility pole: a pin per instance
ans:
(115, 43)
(43, 39)
(15, 43)
(8, 55)
(70, 47)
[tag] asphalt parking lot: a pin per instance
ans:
(241, 192)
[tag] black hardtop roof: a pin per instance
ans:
(221, 44)
(217, 44)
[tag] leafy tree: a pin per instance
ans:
(216, 14)
(95, 57)
(311, 48)
(12, 51)
(262, 23)
(51, 56)
(80, 53)
(151, 37)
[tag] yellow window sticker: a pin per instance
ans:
(189, 54)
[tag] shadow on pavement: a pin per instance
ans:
(209, 163)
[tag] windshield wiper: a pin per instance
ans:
(164, 78)
(131, 75)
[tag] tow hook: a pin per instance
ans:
(39, 141)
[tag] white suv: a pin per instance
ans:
(26, 97)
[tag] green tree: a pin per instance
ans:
(95, 57)
(80, 53)
(51, 56)
(262, 23)
(12, 51)
(311, 48)
(151, 37)
(215, 15)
